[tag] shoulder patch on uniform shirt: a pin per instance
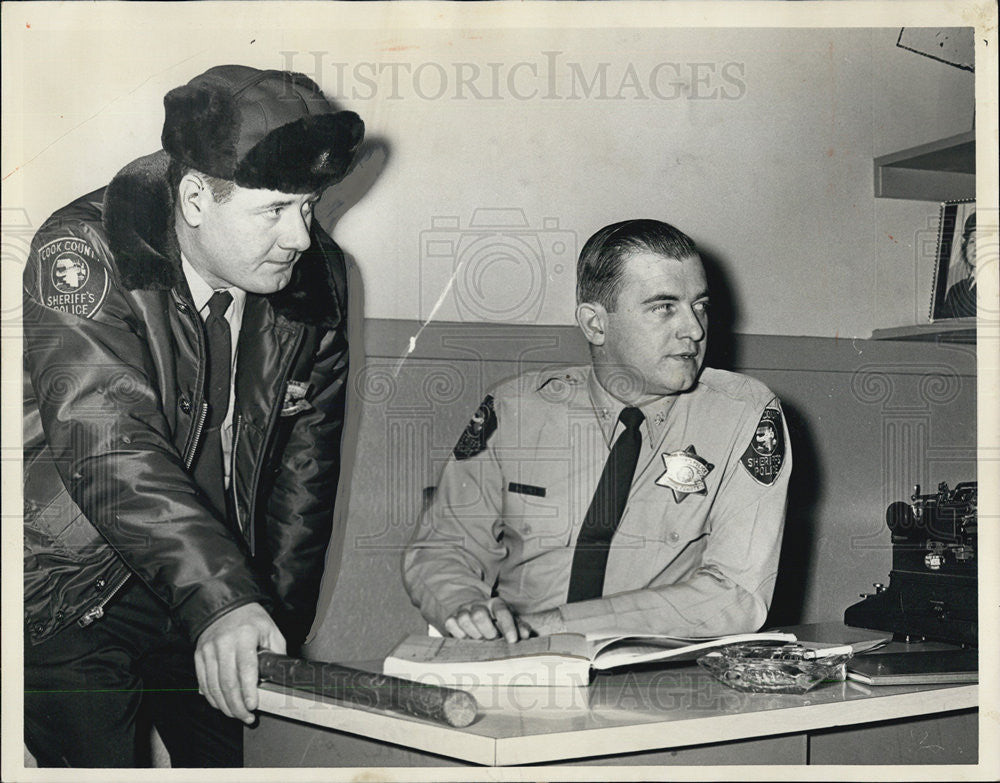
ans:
(766, 453)
(72, 278)
(477, 434)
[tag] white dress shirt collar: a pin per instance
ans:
(201, 292)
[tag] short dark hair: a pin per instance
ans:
(599, 272)
(222, 189)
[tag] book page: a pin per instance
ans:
(444, 650)
(601, 640)
(655, 641)
(633, 650)
(829, 634)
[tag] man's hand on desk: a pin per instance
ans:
(486, 619)
(225, 659)
(491, 618)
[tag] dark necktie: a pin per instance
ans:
(590, 557)
(208, 470)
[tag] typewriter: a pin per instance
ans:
(933, 590)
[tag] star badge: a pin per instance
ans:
(684, 473)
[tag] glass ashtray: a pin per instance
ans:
(773, 668)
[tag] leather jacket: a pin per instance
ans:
(114, 403)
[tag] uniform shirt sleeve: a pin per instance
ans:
(730, 590)
(456, 551)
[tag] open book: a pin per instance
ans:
(562, 659)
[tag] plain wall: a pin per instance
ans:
(758, 142)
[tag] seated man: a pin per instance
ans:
(640, 493)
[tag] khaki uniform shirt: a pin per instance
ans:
(512, 499)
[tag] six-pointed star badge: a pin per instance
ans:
(684, 473)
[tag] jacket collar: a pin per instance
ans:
(138, 217)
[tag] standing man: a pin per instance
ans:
(640, 493)
(185, 366)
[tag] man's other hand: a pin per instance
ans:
(486, 620)
(225, 659)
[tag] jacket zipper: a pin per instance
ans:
(187, 308)
(232, 470)
(198, 427)
(97, 612)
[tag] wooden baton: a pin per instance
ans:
(367, 689)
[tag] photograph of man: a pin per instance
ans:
(185, 365)
(960, 301)
(640, 493)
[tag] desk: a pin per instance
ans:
(675, 707)
(657, 714)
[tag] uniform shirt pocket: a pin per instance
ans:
(534, 520)
(661, 519)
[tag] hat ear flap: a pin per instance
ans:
(201, 125)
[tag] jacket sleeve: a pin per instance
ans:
(456, 551)
(92, 373)
(306, 464)
(730, 589)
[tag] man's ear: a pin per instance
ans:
(592, 318)
(192, 192)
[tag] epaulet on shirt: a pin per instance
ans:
(571, 376)
(482, 425)
(545, 381)
(737, 386)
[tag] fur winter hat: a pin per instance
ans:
(260, 129)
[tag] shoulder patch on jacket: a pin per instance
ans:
(71, 277)
(478, 432)
(766, 453)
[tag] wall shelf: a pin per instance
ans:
(952, 330)
(943, 170)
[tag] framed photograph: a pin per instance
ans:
(954, 290)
